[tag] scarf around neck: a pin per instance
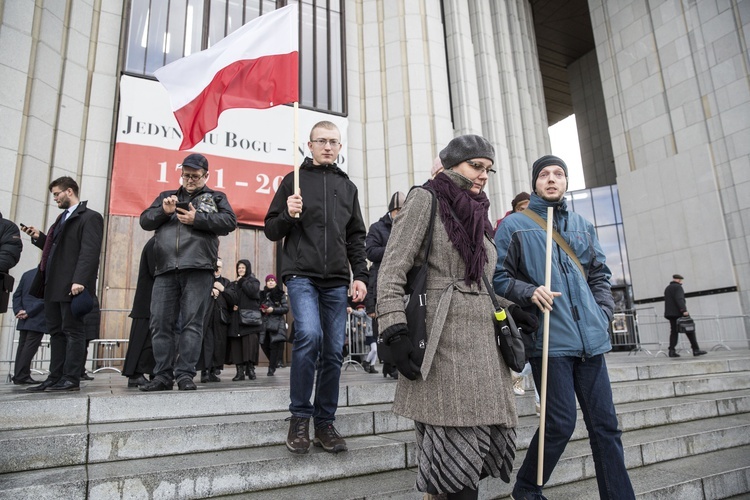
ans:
(466, 220)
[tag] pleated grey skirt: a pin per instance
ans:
(453, 458)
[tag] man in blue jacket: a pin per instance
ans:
(578, 334)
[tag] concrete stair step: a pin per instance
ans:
(710, 476)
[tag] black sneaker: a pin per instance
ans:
(298, 439)
(329, 439)
(186, 384)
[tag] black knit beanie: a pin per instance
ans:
(546, 161)
(466, 147)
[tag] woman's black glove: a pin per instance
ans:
(396, 337)
(528, 323)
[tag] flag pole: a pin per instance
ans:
(545, 352)
(295, 163)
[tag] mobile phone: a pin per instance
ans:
(23, 226)
(185, 205)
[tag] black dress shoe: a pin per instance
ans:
(137, 381)
(64, 386)
(25, 381)
(157, 384)
(186, 384)
(698, 352)
(86, 376)
(673, 354)
(41, 387)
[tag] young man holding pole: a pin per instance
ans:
(320, 221)
(577, 331)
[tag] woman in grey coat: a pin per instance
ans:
(461, 398)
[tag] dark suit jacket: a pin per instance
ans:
(74, 257)
(34, 307)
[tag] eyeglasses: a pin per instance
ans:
(193, 177)
(479, 168)
(322, 142)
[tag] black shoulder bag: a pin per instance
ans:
(415, 310)
(507, 336)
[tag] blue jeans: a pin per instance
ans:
(186, 293)
(319, 332)
(568, 378)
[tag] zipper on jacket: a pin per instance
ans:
(177, 247)
(325, 224)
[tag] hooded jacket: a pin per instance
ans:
(377, 238)
(183, 246)
(580, 317)
(329, 235)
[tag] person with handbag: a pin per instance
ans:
(461, 397)
(246, 324)
(578, 329)
(675, 307)
(274, 306)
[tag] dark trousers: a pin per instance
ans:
(273, 351)
(28, 343)
(673, 334)
(67, 342)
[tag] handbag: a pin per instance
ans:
(686, 325)
(416, 307)
(507, 336)
(250, 317)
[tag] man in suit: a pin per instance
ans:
(31, 325)
(70, 261)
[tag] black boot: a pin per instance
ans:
(204, 376)
(212, 376)
(673, 354)
(250, 371)
(240, 373)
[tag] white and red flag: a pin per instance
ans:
(253, 67)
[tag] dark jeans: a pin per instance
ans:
(67, 342)
(320, 328)
(273, 351)
(588, 380)
(28, 343)
(187, 293)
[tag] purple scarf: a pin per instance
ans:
(48, 243)
(467, 228)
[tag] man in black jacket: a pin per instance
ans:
(186, 249)
(70, 262)
(31, 327)
(377, 238)
(10, 253)
(322, 239)
(675, 308)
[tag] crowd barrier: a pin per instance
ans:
(357, 328)
(644, 330)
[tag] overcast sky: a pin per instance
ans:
(564, 138)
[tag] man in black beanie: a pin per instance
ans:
(578, 329)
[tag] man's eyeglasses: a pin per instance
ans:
(322, 142)
(193, 177)
(479, 168)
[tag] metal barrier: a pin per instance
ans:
(357, 328)
(635, 329)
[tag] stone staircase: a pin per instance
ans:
(686, 434)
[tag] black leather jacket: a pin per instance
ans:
(180, 246)
(329, 235)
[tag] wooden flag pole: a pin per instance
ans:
(295, 163)
(545, 353)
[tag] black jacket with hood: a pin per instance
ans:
(329, 235)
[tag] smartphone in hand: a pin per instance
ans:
(185, 205)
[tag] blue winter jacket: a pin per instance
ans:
(581, 315)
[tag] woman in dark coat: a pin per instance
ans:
(274, 306)
(242, 340)
(140, 356)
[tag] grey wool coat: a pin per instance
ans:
(464, 381)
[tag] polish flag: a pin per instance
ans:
(253, 67)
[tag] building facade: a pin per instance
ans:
(660, 90)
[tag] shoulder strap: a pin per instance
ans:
(432, 220)
(558, 239)
(491, 291)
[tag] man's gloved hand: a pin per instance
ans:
(528, 323)
(396, 337)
